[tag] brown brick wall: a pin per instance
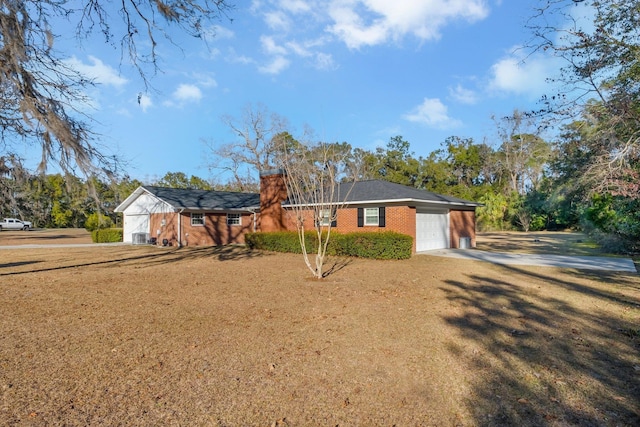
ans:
(215, 230)
(273, 191)
(462, 224)
(167, 230)
(401, 219)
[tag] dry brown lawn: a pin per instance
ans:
(128, 335)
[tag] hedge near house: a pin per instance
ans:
(386, 245)
(107, 235)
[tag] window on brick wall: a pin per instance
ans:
(371, 217)
(233, 219)
(325, 218)
(197, 218)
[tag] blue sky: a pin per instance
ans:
(360, 71)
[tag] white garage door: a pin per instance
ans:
(134, 224)
(432, 230)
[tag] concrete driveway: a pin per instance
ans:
(562, 261)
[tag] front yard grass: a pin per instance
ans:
(204, 336)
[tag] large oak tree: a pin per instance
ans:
(40, 93)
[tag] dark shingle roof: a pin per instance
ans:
(204, 199)
(360, 192)
(377, 190)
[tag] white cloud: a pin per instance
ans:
(235, 57)
(98, 71)
(277, 65)
(220, 32)
(356, 23)
(187, 92)
(211, 53)
(145, 102)
(205, 80)
(370, 22)
(217, 32)
(295, 6)
(270, 47)
(299, 49)
(463, 95)
(277, 20)
(324, 61)
(278, 56)
(523, 76)
(184, 94)
(433, 113)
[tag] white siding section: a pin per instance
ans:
(136, 215)
(134, 224)
(146, 204)
(432, 230)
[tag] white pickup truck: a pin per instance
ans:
(14, 224)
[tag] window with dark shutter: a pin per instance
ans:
(360, 217)
(381, 217)
(372, 217)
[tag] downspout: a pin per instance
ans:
(255, 219)
(180, 227)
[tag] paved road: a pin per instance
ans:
(563, 261)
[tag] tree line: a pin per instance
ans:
(523, 181)
(585, 173)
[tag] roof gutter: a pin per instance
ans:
(385, 201)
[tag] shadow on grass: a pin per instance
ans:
(558, 243)
(162, 256)
(549, 360)
(337, 265)
(18, 264)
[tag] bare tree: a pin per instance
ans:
(258, 132)
(599, 84)
(318, 183)
(41, 97)
(523, 154)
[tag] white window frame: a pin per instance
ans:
(199, 219)
(325, 217)
(368, 216)
(234, 219)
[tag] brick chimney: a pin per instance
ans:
(273, 191)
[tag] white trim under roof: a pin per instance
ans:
(133, 196)
(388, 201)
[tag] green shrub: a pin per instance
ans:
(386, 245)
(107, 235)
(97, 221)
(281, 241)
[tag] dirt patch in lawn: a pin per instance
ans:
(203, 336)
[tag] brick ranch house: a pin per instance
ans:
(199, 217)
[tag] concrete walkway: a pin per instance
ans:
(562, 261)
